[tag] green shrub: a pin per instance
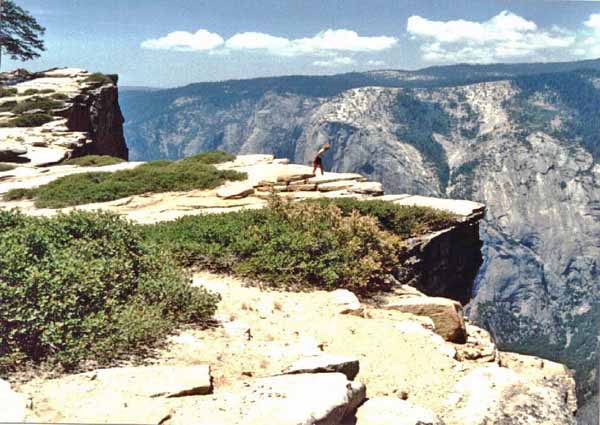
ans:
(98, 77)
(404, 221)
(6, 167)
(33, 120)
(93, 161)
(155, 177)
(46, 91)
(44, 104)
(8, 106)
(59, 96)
(301, 245)
(210, 157)
(84, 287)
(7, 92)
(30, 92)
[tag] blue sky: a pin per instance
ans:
(166, 43)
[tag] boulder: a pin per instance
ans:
(13, 406)
(325, 363)
(446, 314)
(235, 190)
(323, 398)
(346, 302)
(394, 411)
(496, 395)
(9, 151)
(368, 188)
(158, 381)
(479, 346)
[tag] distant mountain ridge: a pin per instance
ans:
(522, 138)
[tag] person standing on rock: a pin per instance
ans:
(318, 161)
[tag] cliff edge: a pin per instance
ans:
(49, 116)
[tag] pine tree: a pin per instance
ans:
(19, 32)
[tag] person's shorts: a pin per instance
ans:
(318, 161)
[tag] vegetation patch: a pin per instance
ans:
(7, 92)
(84, 287)
(327, 245)
(93, 161)
(33, 120)
(6, 167)
(44, 104)
(98, 77)
(156, 176)
(59, 96)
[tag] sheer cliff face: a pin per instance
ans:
(525, 147)
(64, 112)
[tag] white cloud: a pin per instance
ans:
(328, 42)
(183, 41)
(336, 61)
(256, 40)
(341, 40)
(504, 37)
(376, 63)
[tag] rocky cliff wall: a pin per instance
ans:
(60, 113)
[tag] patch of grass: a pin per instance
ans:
(59, 96)
(33, 120)
(93, 161)
(7, 91)
(8, 106)
(30, 92)
(46, 91)
(44, 104)
(98, 77)
(84, 287)
(330, 244)
(6, 167)
(156, 176)
(210, 157)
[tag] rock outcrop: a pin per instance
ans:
(60, 113)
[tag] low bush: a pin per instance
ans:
(8, 105)
(84, 287)
(98, 77)
(404, 221)
(59, 96)
(33, 120)
(7, 91)
(93, 161)
(332, 244)
(45, 104)
(6, 167)
(30, 92)
(156, 176)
